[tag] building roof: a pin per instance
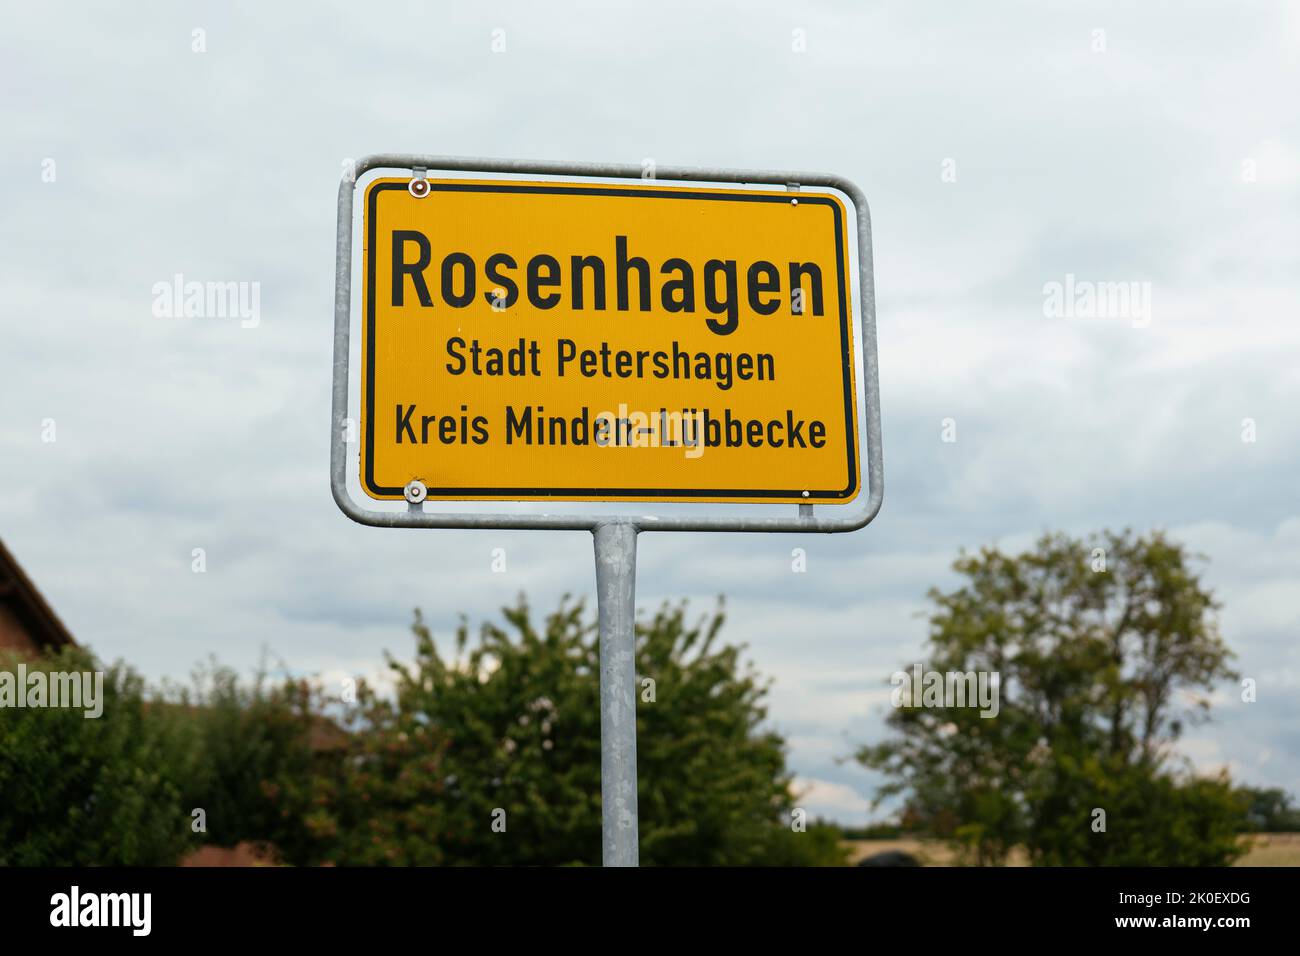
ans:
(22, 604)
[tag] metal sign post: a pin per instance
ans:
(616, 613)
(719, 305)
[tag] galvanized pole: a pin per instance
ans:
(616, 612)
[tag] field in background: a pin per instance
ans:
(1273, 849)
(1267, 849)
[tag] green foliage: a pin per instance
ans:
(310, 778)
(1092, 665)
(511, 721)
(1096, 642)
(120, 789)
(1152, 818)
(1270, 811)
(820, 845)
(254, 745)
(873, 831)
(91, 792)
(375, 794)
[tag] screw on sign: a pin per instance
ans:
(569, 332)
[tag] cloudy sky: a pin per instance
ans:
(1002, 147)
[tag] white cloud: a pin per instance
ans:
(835, 801)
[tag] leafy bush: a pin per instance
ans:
(88, 792)
(250, 742)
(508, 722)
(1270, 811)
(512, 723)
(1151, 818)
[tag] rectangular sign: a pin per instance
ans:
(528, 340)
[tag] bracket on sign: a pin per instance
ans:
(415, 492)
(419, 185)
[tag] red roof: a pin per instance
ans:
(27, 622)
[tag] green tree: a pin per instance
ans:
(1106, 649)
(120, 789)
(1270, 810)
(507, 721)
(511, 722)
(375, 793)
(103, 791)
(265, 750)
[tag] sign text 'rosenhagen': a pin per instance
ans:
(533, 340)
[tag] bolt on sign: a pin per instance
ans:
(596, 341)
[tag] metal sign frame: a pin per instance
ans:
(806, 517)
(614, 534)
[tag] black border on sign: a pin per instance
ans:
(850, 430)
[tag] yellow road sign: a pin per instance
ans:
(528, 340)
